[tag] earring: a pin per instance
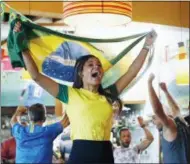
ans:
(80, 74)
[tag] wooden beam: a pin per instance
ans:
(33, 18)
(135, 102)
(165, 13)
(54, 20)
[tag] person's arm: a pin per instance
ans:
(48, 84)
(19, 111)
(148, 136)
(45, 82)
(168, 123)
(56, 128)
(173, 105)
(64, 120)
(135, 67)
(155, 102)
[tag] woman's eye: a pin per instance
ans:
(90, 65)
(99, 65)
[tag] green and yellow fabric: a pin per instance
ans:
(55, 53)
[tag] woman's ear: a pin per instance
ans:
(80, 74)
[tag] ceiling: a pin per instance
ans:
(166, 13)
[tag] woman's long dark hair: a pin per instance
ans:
(78, 79)
(78, 70)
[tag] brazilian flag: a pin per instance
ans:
(1, 9)
(55, 53)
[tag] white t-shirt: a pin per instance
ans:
(126, 155)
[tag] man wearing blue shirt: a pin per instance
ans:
(34, 142)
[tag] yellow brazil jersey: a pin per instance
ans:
(89, 113)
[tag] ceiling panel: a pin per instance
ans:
(167, 13)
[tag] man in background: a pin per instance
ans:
(174, 108)
(175, 135)
(127, 154)
(34, 143)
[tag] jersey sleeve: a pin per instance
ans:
(63, 93)
(54, 129)
(16, 130)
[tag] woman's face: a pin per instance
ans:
(92, 72)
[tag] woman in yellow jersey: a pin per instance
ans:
(89, 106)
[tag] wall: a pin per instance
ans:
(11, 87)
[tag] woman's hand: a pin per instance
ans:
(150, 38)
(151, 78)
(17, 27)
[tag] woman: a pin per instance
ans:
(89, 106)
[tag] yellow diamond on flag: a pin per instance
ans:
(25, 75)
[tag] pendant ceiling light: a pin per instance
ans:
(98, 13)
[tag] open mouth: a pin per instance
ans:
(95, 74)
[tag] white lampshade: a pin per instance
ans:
(90, 14)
